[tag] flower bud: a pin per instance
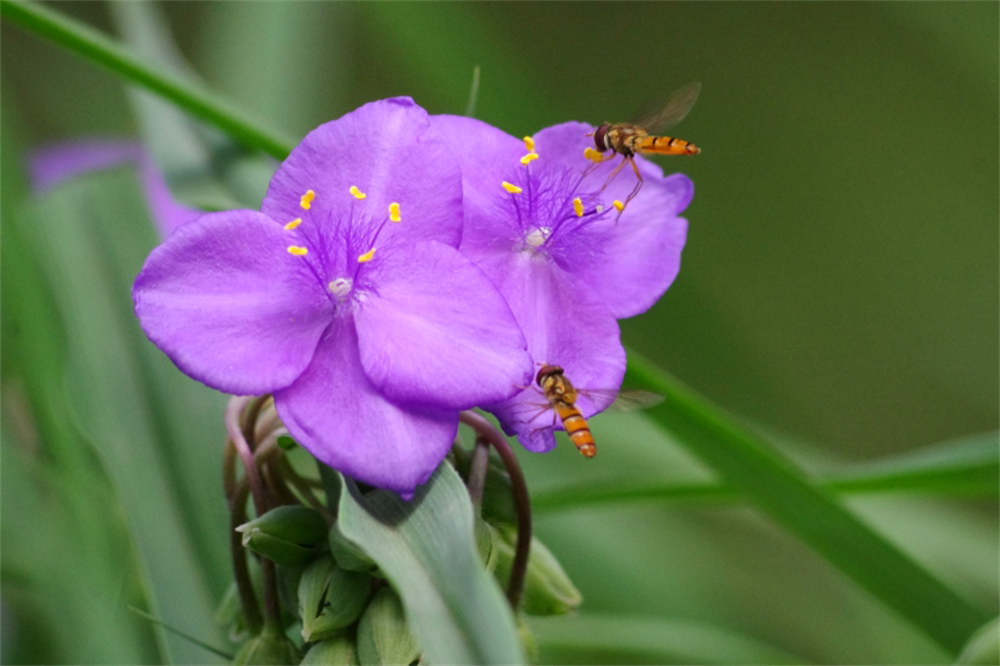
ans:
(330, 598)
(290, 535)
(383, 635)
(498, 497)
(339, 650)
(547, 588)
(348, 554)
(269, 647)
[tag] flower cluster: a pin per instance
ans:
(405, 267)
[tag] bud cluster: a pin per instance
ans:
(325, 600)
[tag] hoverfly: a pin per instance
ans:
(562, 397)
(642, 137)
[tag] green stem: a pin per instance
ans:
(747, 463)
(86, 41)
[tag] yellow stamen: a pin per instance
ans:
(510, 187)
(530, 157)
(394, 212)
(593, 155)
(356, 193)
(367, 256)
(297, 250)
(306, 200)
(618, 205)
(294, 223)
(578, 207)
(529, 143)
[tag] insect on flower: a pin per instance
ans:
(644, 137)
(562, 397)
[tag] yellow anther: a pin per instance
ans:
(394, 212)
(578, 207)
(593, 155)
(367, 256)
(297, 250)
(356, 193)
(306, 200)
(529, 143)
(294, 223)
(510, 187)
(618, 205)
(530, 157)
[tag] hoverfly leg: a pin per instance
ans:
(635, 190)
(614, 172)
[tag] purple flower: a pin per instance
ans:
(547, 233)
(344, 297)
(53, 164)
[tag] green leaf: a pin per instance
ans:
(156, 433)
(966, 467)
(426, 549)
(773, 483)
(612, 639)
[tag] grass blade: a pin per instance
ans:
(92, 44)
(965, 468)
(746, 462)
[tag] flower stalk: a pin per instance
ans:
(477, 471)
(485, 430)
(240, 417)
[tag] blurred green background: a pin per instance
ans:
(839, 290)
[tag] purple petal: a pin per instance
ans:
(51, 165)
(541, 439)
(437, 332)
(493, 155)
(229, 305)
(384, 149)
(565, 326)
(343, 420)
(168, 214)
(54, 164)
(633, 260)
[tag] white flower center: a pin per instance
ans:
(340, 287)
(537, 236)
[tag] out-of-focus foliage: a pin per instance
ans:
(839, 287)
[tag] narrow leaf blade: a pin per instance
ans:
(426, 548)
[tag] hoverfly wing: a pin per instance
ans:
(665, 114)
(623, 401)
(632, 400)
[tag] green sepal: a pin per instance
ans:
(347, 553)
(268, 648)
(289, 535)
(330, 598)
(384, 636)
(547, 588)
(338, 650)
